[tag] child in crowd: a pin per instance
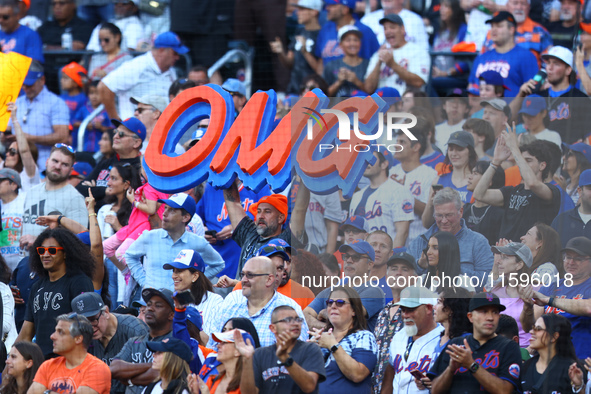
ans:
(72, 81)
(98, 125)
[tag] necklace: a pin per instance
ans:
(476, 219)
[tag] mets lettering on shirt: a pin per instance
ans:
(491, 360)
(500, 66)
(65, 385)
(423, 365)
(562, 112)
(274, 371)
(551, 309)
(332, 49)
(8, 46)
(224, 212)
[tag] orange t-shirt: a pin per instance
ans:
(512, 176)
(300, 294)
(213, 386)
(92, 373)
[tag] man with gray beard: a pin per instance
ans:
(413, 349)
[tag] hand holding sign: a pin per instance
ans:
(13, 70)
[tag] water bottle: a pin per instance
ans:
(67, 40)
(539, 79)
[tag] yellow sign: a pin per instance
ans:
(13, 70)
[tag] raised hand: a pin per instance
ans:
(245, 349)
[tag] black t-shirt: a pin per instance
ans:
(555, 378)
(485, 220)
(331, 75)
(569, 114)
(271, 378)
(499, 356)
(48, 300)
(100, 174)
(561, 35)
(523, 208)
(51, 32)
(301, 68)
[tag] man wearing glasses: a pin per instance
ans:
(570, 296)
(127, 143)
(148, 110)
(288, 366)
(476, 257)
(110, 330)
(76, 371)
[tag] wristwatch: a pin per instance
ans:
(288, 363)
(334, 348)
(48, 391)
(474, 367)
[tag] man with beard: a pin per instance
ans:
(134, 363)
(482, 362)
(413, 348)
(270, 214)
(529, 35)
(54, 195)
(279, 252)
(289, 366)
(110, 330)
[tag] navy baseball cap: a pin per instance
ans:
(502, 16)
(348, 3)
(233, 85)
(533, 105)
(187, 258)
(173, 345)
(462, 139)
(194, 317)
(581, 148)
(389, 95)
(394, 18)
(170, 40)
(272, 249)
(360, 247)
(87, 304)
(402, 257)
(493, 78)
(585, 178)
(132, 124)
(480, 300)
(181, 201)
(354, 221)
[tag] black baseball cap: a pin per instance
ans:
(579, 245)
(402, 257)
(485, 299)
(502, 16)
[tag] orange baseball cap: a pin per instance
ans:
(76, 72)
(586, 27)
(278, 201)
(27, 3)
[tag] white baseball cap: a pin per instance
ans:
(310, 4)
(560, 53)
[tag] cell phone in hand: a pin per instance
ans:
(184, 297)
(417, 374)
(211, 233)
(17, 292)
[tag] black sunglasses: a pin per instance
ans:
(105, 40)
(11, 152)
(338, 303)
(121, 134)
(5, 17)
(354, 257)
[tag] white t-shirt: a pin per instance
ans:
(132, 32)
(418, 182)
(413, 26)
(477, 27)
(421, 355)
(136, 78)
(28, 182)
(320, 209)
(208, 309)
(389, 203)
(443, 131)
(411, 56)
(585, 218)
(549, 135)
(12, 227)
(159, 390)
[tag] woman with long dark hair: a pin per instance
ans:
(112, 55)
(349, 349)
(22, 364)
(554, 369)
(443, 257)
(544, 243)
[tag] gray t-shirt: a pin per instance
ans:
(40, 202)
(135, 351)
(331, 75)
(271, 378)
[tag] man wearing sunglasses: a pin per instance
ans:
(288, 366)
(76, 371)
(358, 258)
(148, 110)
(17, 38)
(127, 143)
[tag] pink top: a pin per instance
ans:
(514, 307)
(139, 220)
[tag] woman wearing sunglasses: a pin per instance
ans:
(554, 369)
(111, 56)
(350, 350)
(22, 155)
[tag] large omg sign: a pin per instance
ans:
(259, 150)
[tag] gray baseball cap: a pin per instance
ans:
(87, 304)
(515, 249)
(155, 101)
(394, 18)
(12, 175)
(461, 139)
(498, 104)
(415, 296)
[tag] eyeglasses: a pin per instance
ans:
(5, 17)
(121, 134)
(567, 257)
(338, 303)
(94, 320)
(538, 329)
(250, 275)
(354, 257)
(68, 147)
(60, 3)
(11, 152)
(105, 40)
(140, 110)
(52, 250)
(290, 320)
(447, 216)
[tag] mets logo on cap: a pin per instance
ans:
(489, 297)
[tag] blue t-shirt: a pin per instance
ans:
(383, 284)
(433, 159)
(212, 210)
(466, 195)
(24, 41)
(581, 333)
(516, 67)
(327, 43)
